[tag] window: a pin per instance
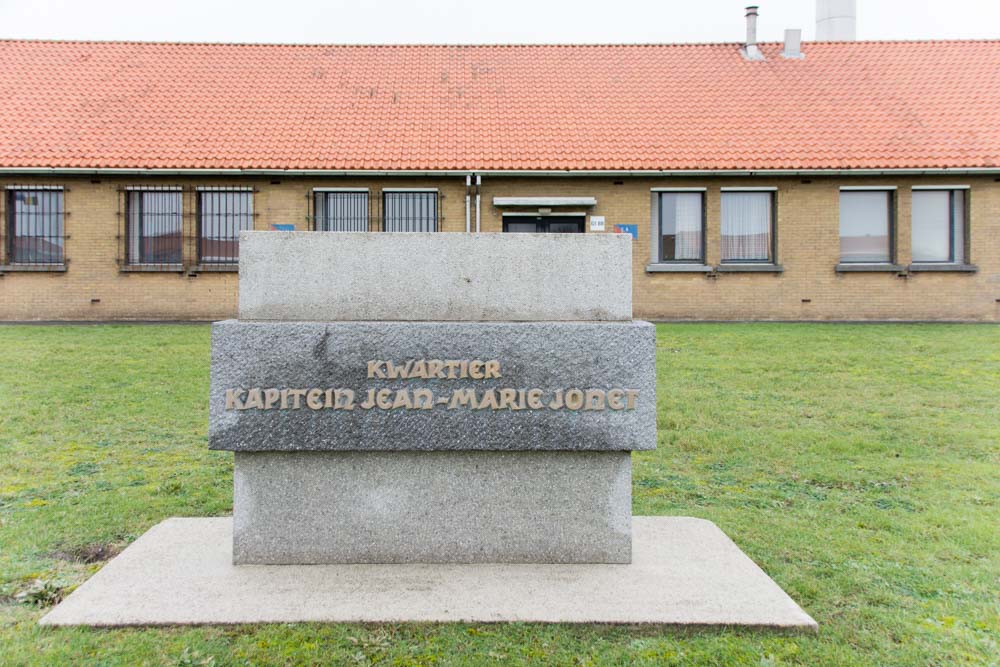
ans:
(747, 226)
(222, 215)
(35, 226)
(543, 224)
(939, 226)
(410, 211)
(865, 229)
(682, 227)
(154, 226)
(341, 211)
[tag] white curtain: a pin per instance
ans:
(746, 226)
(683, 218)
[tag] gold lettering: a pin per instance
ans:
(344, 399)
(462, 397)
(375, 369)
(557, 402)
(284, 399)
(434, 368)
(383, 399)
(631, 395)
(296, 394)
(402, 400)
(233, 400)
(254, 399)
(452, 366)
(419, 370)
(535, 399)
(314, 399)
(423, 399)
(574, 399)
(271, 397)
(328, 402)
(489, 400)
(476, 370)
(594, 399)
(369, 402)
(507, 398)
(615, 399)
(493, 369)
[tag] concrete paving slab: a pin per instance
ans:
(685, 572)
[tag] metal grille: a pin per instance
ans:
(410, 211)
(154, 229)
(35, 226)
(222, 215)
(341, 211)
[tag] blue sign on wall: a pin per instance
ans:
(628, 229)
(283, 228)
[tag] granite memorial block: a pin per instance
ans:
(482, 419)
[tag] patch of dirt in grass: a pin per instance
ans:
(89, 553)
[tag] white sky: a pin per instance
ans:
(482, 21)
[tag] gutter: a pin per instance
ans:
(110, 171)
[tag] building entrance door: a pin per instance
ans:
(544, 224)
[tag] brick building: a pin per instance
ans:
(848, 181)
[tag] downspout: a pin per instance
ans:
(479, 182)
(468, 203)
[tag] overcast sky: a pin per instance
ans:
(471, 21)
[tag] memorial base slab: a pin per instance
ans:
(684, 572)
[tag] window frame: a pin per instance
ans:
(138, 264)
(9, 236)
(773, 245)
(966, 230)
(700, 261)
(326, 192)
(200, 191)
(892, 222)
(425, 191)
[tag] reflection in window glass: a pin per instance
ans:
(864, 226)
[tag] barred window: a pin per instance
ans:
(35, 224)
(222, 215)
(410, 211)
(341, 211)
(155, 225)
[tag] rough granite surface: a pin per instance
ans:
(432, 507)
(434, 276)
(548, 355)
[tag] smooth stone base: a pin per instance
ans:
(685, 572)
(432, 507)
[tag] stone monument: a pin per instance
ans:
(432, 440)
(478, 407)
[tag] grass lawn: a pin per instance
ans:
(858, 465)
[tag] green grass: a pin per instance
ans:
(858, 465)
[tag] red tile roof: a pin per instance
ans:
(671, 107)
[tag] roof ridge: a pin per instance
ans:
(308, 45)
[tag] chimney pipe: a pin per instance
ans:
(836, 20)
(750, 50)
(793, 44)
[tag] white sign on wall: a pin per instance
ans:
(597, 223)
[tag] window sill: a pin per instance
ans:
(215, 268)
(741, 267)
(152, 268)
(862, 267)
(677, 267)
(33, 268)
(943, 267)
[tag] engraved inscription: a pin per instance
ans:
(493, 398)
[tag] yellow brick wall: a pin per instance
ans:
(808, 242)
(93, 287)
